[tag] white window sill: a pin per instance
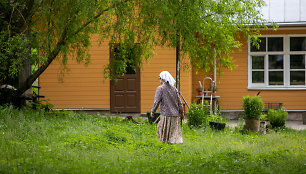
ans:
(276, 88)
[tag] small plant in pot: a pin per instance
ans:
(253, 107)
(278, 117)
(216, 122)
(199, 90)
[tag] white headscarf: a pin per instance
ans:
(167, 77)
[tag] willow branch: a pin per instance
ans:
(62, 41)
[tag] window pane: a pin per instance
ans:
(262, 45)
(257, 77)
(276, 61)
(275, 44)
(258, 62)
(297, 61)
(297, 43)
(276, 78)
(297, 78)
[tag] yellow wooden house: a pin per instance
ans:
(277, 70)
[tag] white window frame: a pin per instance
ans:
(286, 68)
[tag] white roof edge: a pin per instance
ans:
(298, 23)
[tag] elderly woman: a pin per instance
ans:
(167, 96)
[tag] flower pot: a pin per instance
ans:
(199, 90)
(216, 125)
(152, 120)
(252, 125)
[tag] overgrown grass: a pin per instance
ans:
(66, 142)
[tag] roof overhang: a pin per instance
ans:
(288, 24)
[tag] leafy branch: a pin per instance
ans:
(61, 42)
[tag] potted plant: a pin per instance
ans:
(278, 117)
(216, 122)
(199, 90)
(252, 106)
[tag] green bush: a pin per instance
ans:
(253, 107)
(197, 115)
(278, 117)
(216, 118)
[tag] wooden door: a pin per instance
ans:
(125, 92)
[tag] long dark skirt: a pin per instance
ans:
(169, 130)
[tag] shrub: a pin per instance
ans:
(252, 106)
(216, 118)
(197, 115)
(278, 117)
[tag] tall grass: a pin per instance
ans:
(66, 142)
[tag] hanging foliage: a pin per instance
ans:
(58, 29)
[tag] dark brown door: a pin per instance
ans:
(125, 93)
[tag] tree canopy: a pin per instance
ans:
(41, 31)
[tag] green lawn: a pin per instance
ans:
(65, 142)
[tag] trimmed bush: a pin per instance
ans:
(278, 117)
(253, 107)
(197, 115)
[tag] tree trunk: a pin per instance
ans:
(22, 79)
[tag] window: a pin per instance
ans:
(278, 63)
(297, 69)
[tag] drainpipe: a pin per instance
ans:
(178, 48)
(215, 68)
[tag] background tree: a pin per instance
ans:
(39, 31)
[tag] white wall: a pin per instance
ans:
(284, 11)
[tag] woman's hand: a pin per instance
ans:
(182, 116)
(152, 115)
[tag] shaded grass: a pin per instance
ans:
(66, 142)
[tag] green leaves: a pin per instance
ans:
(252, 106)
(198, 116)
(278, 117)
(204, 26)
(62, 29)
(14, 50)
